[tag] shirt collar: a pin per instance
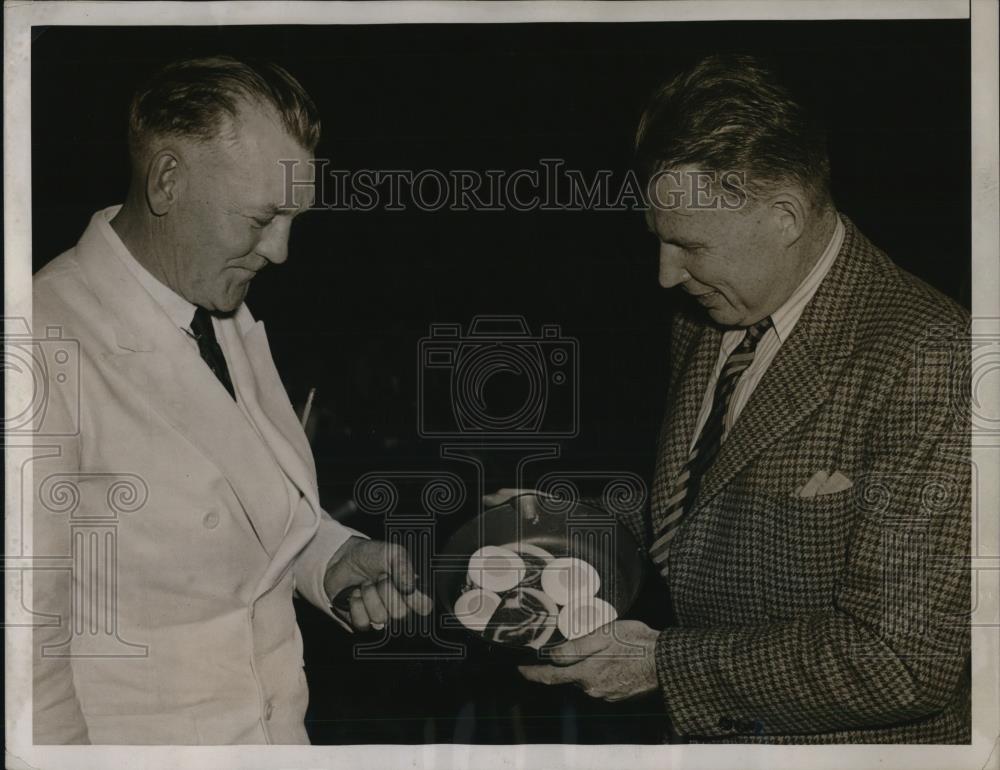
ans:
(785, 317)
(178, 309)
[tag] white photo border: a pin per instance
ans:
(984, 751)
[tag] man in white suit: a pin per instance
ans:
(177, 625)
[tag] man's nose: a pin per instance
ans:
(672, 270)
(274, 245)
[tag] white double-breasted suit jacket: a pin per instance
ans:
(180, 522)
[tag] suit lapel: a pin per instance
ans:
(793, 387)
(262, 394)
(162, 366)
(185, 393)
(678, 427)
(259, 386)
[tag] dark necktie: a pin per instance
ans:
(685, 489)
(208, 346)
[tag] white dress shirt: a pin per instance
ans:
(178, 309)
(783, 321)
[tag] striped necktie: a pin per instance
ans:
(685, 489)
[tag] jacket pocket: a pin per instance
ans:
(800, 551)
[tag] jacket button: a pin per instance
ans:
(726, 723)
(210, 520)
(268, 711)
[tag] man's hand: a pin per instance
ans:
(614, 662)
(383, 581)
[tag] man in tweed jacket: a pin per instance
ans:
(819, 578)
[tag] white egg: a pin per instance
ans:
(475, 608)
(495, 568)
(580, 618)
(567, 580)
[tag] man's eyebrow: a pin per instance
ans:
(678, 240)
(671, 238)
(271, 210)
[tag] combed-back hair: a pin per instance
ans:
(201, 98)
(731, 113)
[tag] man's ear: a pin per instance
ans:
(163, 181)
(788, 210)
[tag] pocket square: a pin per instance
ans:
(824, 483)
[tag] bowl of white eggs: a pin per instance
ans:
(537, 571)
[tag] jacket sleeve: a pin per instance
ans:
(894, 645)
(57, 717)
(311, 565)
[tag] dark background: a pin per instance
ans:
(346, 312)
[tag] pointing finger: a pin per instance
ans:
(419, 602)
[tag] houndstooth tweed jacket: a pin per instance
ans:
(841, 618)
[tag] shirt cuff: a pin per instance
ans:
(313, 562)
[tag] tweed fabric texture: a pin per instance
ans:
(841, 618)
(705, 449)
